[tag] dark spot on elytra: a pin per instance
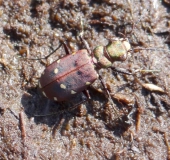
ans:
(79, 73)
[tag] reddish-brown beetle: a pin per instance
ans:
(75, 72)
(68, 76)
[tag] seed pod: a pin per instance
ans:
(127, 99)
(153, 87)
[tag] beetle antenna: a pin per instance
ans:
(154, 48)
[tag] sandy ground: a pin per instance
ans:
(32, 29)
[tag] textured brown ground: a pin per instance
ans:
(31, 29)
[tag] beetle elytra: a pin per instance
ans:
(71, 75)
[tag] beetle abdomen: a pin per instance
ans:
(68, 76)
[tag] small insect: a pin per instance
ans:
(74, 72)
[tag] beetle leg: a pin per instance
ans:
(109, 96)
(66, 48)
(120, 70)
(64, 110)
(82, 39)
(86, 93)
(57, 125)
(85, 44)
(62, 43)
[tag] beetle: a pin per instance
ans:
(73, 73)
(68, 76)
